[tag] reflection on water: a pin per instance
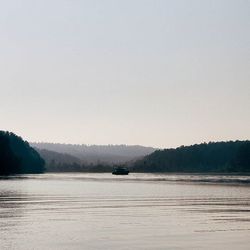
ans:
(139, 211)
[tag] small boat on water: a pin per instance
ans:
(120, 171)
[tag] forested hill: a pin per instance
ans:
(95, 154)
(17, 157)
(206, 157)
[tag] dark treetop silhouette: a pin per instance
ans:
(17, 157)
(232, 156)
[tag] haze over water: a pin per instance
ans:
(139, 211)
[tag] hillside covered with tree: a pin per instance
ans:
(95, 154)
(17, 157)
(61, 162)
(232, 156)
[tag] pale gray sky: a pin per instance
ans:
(150, 72)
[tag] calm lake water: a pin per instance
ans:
(139, 211)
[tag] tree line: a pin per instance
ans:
(232, 156)
(17, 157)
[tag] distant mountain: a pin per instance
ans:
(17, 157)
(59, 162)
(51, 157)
(232, 156)
(96, 154)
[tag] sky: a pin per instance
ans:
(148, 72)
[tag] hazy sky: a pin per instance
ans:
(158, 73)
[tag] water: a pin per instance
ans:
(139, 211)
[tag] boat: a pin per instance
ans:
(120, 171)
